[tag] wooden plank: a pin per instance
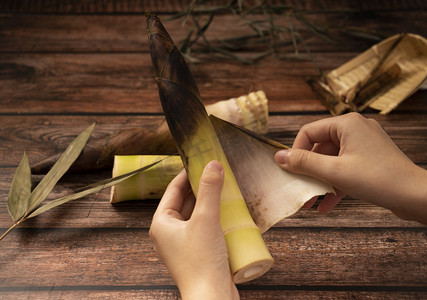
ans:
(91, 6)
(96, 212)
(334, 257)
(141, 292)
(140, 6)
(126, 33)
(66, 64)
(124, 83)
(43, 136)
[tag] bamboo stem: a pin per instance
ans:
(11, 228)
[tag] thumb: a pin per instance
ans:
(308, 163)
(208, 196)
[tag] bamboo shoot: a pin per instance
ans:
(250, 111)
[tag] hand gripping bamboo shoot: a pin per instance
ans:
(198, 144)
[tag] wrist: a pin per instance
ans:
(412, 204)
(417, 207)
(209, 289)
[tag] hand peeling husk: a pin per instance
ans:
(270, 192)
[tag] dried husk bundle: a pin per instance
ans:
(200, 139)
(381, 77)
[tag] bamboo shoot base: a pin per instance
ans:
(249, 257)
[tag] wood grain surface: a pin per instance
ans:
(67, 64)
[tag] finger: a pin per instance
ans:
(327, 148)
(324, 167)
(173, 198)
(210, 187)
(321, 131)
(188, 206)
(310, 202)
(330, 201)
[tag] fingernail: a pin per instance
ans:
(281, 156)
(215, 165)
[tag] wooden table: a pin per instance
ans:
(67, 64)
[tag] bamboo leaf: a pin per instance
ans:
(91, 189)
(20, 190)
(46, 185)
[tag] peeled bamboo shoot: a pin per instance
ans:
(150, 184)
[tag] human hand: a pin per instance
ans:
(357, 157)
(189, 239)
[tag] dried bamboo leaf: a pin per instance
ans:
(20, 190)
(46, 185)
(32, 200)
(319, 31)
(270, 192)
(201, 29)
(91, 189)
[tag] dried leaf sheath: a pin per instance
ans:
(167, 61)
(197, 144)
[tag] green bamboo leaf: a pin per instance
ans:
(20, 190)
(91, 189)
(67, 158)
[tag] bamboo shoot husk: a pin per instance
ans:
(410, 56)
(197, 144)
(250, 111)
(270, 192)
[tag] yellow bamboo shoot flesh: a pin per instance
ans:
(149, 184)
